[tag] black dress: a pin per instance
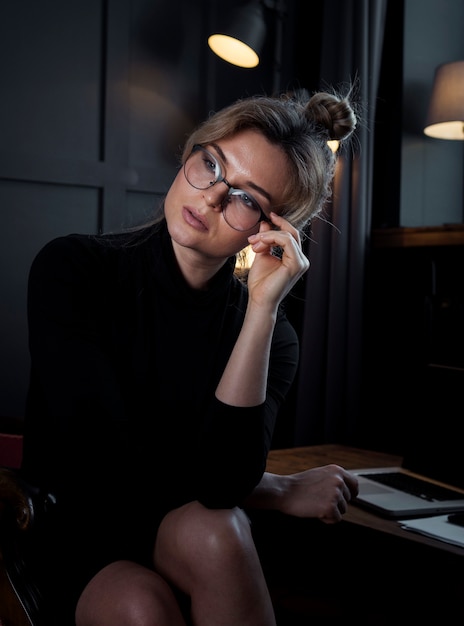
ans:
(122, 423)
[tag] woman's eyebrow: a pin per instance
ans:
(250, 183)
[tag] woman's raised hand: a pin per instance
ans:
(272, 276)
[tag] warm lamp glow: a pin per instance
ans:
(245, 260)
(239, 40)
(445, 119)
(446, 130)
(233, 51)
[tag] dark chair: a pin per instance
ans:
(21, 505)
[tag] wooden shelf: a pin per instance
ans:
(408, 237)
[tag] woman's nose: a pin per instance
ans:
(216, 194)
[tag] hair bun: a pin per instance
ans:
(333, 114)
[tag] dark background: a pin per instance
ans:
(97, 97)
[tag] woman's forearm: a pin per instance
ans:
(244, 379)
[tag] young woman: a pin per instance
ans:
(157, 376)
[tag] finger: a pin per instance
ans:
(284, 254)
(284, 224)
(276, 238)
(289, 251)
(352, 484)
(347, 493)
(264, 226)
(332, 518)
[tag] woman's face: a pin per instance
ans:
(195, 217)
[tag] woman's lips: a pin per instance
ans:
(195, 220)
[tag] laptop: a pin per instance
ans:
(433, 459)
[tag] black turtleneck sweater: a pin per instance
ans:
(122, 423)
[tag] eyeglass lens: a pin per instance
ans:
(241, 211)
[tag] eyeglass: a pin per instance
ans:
(240, 210)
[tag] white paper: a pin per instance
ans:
(437, 527)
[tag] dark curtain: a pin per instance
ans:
(328, 396)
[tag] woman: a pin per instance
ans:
(157, 376)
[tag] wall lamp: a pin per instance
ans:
(240, 37)
(445, 119)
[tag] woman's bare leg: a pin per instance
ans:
(210, 555)
(129, 594)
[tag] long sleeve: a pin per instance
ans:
(125, 360)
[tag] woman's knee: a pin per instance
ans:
(196, 537)
(127, 593)
(221, 533)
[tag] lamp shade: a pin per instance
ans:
(240, 39)
(445, 119)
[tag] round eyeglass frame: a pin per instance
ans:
(232, 191)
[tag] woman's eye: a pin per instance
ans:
(211, 165)
(250, 203)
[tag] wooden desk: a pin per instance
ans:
(288, 461)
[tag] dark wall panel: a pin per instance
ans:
(167, 73)
(141, 206)
(50, 72)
